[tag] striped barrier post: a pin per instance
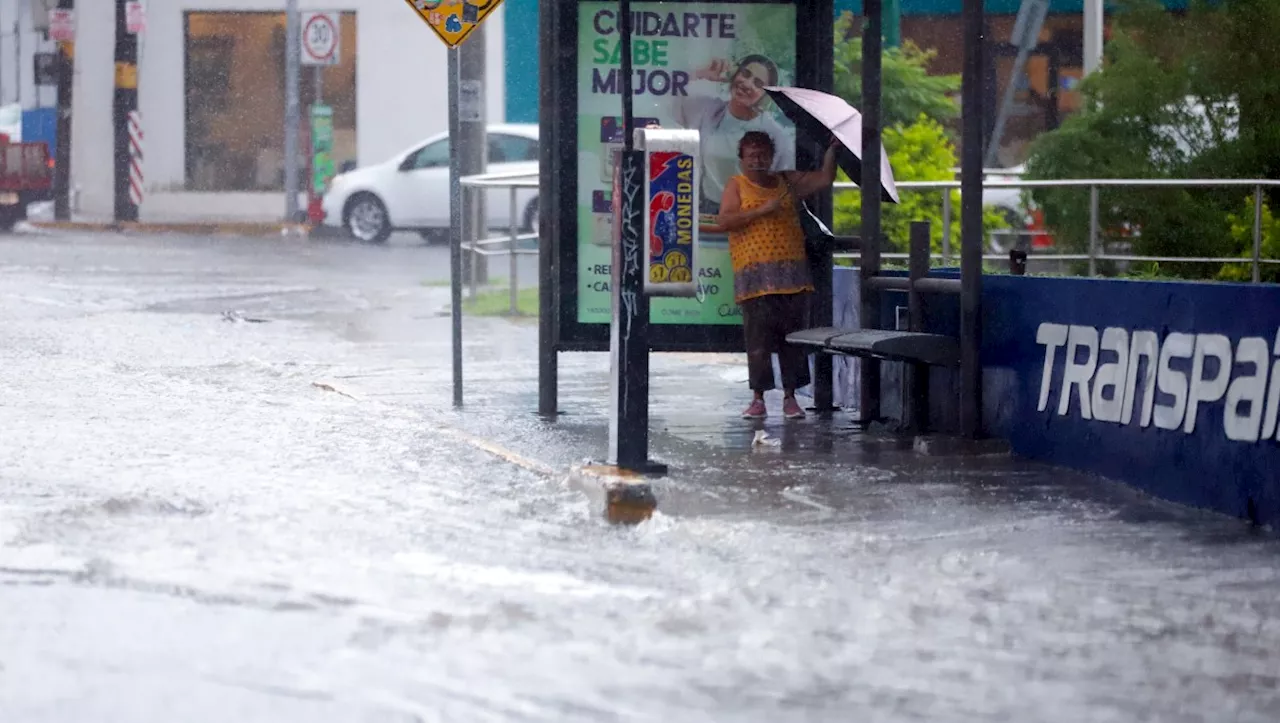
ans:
(135, 158)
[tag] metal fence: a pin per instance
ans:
(509, 244)
(473, 229)
(1095, 251)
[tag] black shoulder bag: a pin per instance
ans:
(817, 237)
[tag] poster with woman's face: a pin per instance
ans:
(700, 66)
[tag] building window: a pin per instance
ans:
(235, 94)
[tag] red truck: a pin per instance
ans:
(26, 176)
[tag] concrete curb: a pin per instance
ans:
(201, 229)
(620, 496)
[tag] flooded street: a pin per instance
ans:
(191, 529)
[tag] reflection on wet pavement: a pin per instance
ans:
(193, 530)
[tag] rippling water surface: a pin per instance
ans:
(191, 530)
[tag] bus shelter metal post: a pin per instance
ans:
(548, 224)
(971, 232)
(869, 401)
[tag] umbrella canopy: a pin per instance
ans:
(822, 115)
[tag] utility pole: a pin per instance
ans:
(1093, 24)
(62, 163)
(468, 153)
(292, 114)
(126, 102)
(473, 144)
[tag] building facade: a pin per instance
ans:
(211, 95)
(1046, 93)
(19, 44)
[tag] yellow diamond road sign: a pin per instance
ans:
(453, 20)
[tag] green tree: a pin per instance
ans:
(1177, 98)
(915, 106)
(907, 89)
(918, 152)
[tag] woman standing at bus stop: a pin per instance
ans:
(771, 279)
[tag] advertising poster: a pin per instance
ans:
(698, 66)
(322, 170)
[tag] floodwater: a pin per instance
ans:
(192, 530)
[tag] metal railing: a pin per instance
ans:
(508, 245)
(514, 181)
(1094, 254)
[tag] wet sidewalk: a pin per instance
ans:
(206, 518)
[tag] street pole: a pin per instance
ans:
(474, 146)
(548, 248)
(629, 330)
(1093, 23)
(126, 102)
(62, 156)
(971, 232)
(292, 114)
(869, 377)
(467, 157)
(17, 53)
(455, 222)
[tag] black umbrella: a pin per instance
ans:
(822, 115)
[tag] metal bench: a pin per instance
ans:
(901, 346)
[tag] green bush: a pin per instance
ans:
(1242, 237)
(917, 152)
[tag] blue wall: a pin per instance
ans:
(41, 124)
(1212, 462)
(521, 40)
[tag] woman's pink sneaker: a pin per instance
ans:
(756, 410)
(791, 409)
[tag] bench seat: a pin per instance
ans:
(903, 346)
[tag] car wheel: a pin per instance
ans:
(366, 218)
(532, 217)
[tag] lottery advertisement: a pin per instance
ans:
(700, 66)
(670, 219)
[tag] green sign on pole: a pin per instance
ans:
(322, 169)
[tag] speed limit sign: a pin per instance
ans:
(320, 38)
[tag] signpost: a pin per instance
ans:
(292, 115)
(62, 25)
(321, 38)
(135, 14)
(454, 22)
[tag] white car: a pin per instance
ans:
(411, 190)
